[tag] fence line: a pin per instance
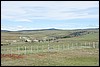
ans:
(25, 50)
(31, 48)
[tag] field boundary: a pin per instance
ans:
(48, 48)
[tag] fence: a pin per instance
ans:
(48, 48)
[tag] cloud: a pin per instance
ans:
(93, 25)
(56, 10)
(2, 27)
(16, 28)
(24, 20)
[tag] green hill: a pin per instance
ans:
(79, 34)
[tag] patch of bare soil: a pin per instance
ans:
(13, 56)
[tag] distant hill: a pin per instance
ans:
(51, 29)
(30, 30)
(46, 29)
(81, 34)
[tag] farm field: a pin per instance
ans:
(81, 57)
(49, 33)
(75, 50)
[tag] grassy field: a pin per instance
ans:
(79, 57)
(66, 57)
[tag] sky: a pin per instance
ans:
(31, 15)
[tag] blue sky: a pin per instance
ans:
(30, 15)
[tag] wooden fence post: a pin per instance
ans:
(31, 49)
(93, 44)
(68, 46)
(97, 43)
(85, 43)
(48, 48)
(76, 44)
(72, 46)
(81, 44)
(42, 48)
(89, 44)
(58, 47)
(37, 48)
(63, 46)
(18, 51)
(25, 50)
(11, 51)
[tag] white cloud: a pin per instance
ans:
(24, 20)
(2, 27)
(15, 28)
(29, 10)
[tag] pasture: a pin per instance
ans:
(75, 51)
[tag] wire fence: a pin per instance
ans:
(48, 48)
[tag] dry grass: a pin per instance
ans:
(79, 57)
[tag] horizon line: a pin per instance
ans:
(49, 28)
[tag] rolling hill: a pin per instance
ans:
(77, 34)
